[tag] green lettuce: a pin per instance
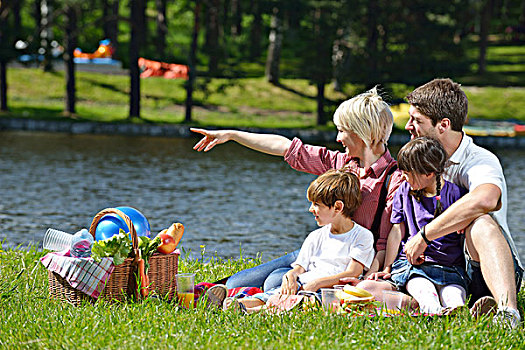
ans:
(117, 247)
(147, 247)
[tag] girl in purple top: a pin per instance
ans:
(439, 281)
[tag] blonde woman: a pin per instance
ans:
(364, 124)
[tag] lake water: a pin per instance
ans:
(228, 199)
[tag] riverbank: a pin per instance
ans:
(30, 320)
(183, 131)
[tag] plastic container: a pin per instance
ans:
(393, 301)
(330, 299)
(81, 244)
(56, 240)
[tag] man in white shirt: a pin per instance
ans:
(439, 109)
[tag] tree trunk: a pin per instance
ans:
(3, 86)
(17, 20)
(37, 15)
(162, 27)
(256, 30)
(274, 48)
(134, 48)
(236, 17)
(225, 25)
(192, 62)
(111, 13)
(486, 16)
(212, 36)
(372, 37)
(144, 35)
(522, 16)
(71, 44)
(338, 56)
(5, 47)
(320, 104)
(323, 61)
(46, 34)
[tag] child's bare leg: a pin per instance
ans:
(452, 295)
(376, 288)
(251, 305)
(251, 302)
(426, 295)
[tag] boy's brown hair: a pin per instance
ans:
(441, 98)
(336, 185)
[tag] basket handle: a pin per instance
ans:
(129, 223)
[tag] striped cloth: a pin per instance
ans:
(83, 274)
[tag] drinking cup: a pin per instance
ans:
(185, 285)
(56, 240)
(393, 301)
(330, 299)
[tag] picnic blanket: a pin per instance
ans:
(83, 274)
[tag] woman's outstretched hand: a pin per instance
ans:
(211, 139)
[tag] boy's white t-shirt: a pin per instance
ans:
(325, 254)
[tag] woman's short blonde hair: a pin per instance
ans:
(368, 116)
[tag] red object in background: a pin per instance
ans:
(519, 129)
(105, 50)
(151, 68)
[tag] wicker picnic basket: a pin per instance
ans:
(122, 283)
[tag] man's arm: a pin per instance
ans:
(482, 200)
(276, 145)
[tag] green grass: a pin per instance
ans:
(30, 320)
(505, 66)
(249, 102)
(243, 102)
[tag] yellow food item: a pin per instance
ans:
(357, 292)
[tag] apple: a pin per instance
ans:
(168, 244)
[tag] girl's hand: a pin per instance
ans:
(379, 276)
(211, 139)
(289, 284)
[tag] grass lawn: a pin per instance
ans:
(246, 102)
(30, 320)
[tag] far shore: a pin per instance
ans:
(397, 138)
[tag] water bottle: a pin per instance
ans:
(56, 240)
(81, 244)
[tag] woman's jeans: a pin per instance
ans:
(266, 276)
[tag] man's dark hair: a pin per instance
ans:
(439, 99)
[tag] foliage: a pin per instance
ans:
(29, 319)
(381, 41)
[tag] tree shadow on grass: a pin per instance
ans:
(37, 113)
(328, 101)
(105, 86)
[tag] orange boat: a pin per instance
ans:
(151, 68)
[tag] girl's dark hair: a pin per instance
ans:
(424, 155)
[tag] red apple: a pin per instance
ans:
(168, 244)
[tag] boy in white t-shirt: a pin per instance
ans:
(340, 248)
